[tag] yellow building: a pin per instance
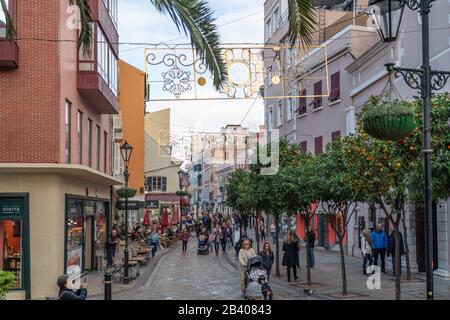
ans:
(161, 169)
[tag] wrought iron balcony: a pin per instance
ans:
(9, 54)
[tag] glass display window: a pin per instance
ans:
(11, 249)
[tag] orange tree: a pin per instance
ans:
(338, 196)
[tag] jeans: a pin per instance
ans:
(110, 257)
(367, 258)
(216, 247)
(273, 237)
(154, 249)
(311, 257)
(382, 253)
(224, 246)
(393, 265)
(184, 246)
(294, 269)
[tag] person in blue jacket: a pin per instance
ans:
(379, 246)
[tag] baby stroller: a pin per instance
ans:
(202, 245)
(256, 273)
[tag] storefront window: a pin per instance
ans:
(75, 236)
(100, 232)
(11, 248)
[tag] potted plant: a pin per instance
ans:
(393, 120)
(7, 280)
(180, 193)
(126, 192)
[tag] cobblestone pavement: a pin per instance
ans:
(193, 277)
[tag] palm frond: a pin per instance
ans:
(86, 32)
(302, 21)
(194, 18)
(10, 30)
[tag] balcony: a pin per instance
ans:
(107, 17)
(92, 86)
(9, 54)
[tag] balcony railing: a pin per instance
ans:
(9, 54)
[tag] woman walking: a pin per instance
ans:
(273, 230)
(184, 239)
(244, 254)
(268, 258)
(291, 248)
(216, 238)
(366, 249)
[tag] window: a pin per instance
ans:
(11, 247)
(118, 162)
(280, 113)
(89, 146)
(3, 20)
(106, 61)
(290, 102)
(111, 5)
(105, 151)
(270, 119)
(335, 135)
(97, 145)
(335, 93)
(75, 237)
(318, 146)
(68, 109)
(350, 121)
(276, 19)
(80, 137)
(87, 60)
(157, 183)
(304, 146)
(268, 29)
(302, 103)
(317, 102)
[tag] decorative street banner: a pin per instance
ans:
(269, 72)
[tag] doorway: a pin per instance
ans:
(420, 238)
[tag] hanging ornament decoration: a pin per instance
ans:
(201, 81)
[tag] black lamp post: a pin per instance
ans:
(388, 15)
(126, 150)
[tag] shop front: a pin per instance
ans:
(87, 224)
(14, 239)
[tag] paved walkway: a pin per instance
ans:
(172, 275)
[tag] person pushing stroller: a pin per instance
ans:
(256, 274)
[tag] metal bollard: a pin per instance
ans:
(108, 283)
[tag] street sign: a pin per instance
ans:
(132, 205)
(152, 204)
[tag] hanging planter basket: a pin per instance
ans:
(126, 192)
(393, 120)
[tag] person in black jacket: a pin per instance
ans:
(291, 248)
(111, 245)
(311, 239)
(66, 293)
(268, 258)
(391, 250)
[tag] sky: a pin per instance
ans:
(139, 22)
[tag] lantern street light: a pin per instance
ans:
(387, 15)
(126, 150)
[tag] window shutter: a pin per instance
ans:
(318, 148)
(318, 93)
(335, 135)
(150, 183)
(302, 102)
(164, 184)
(304, 146)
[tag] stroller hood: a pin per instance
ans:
(255, 261)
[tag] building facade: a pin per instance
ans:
(55, 140)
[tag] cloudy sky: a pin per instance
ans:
(139, 22)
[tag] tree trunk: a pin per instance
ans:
(405, 241)
(343, 272)
(257, 238)
(308, 269)
(397, 264)
(277, 246)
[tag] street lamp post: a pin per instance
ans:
(180, 179)
(387, 15)
(126, 149)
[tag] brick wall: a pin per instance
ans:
(29, 95)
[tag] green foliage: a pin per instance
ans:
(376, 108)
(302, 21)
(7, 280)
(126, 192)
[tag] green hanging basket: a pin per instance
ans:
(392, 121)
(126, 192)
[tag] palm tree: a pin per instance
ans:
(193, 17)
(302, 21)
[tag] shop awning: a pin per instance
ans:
(163, 197)
(72, 170)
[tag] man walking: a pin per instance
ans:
(111, 246)
(379, 246)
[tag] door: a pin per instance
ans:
(323, 231)
(420, 239)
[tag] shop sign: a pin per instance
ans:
(11, 207)
(132, 205)
(152, 204)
